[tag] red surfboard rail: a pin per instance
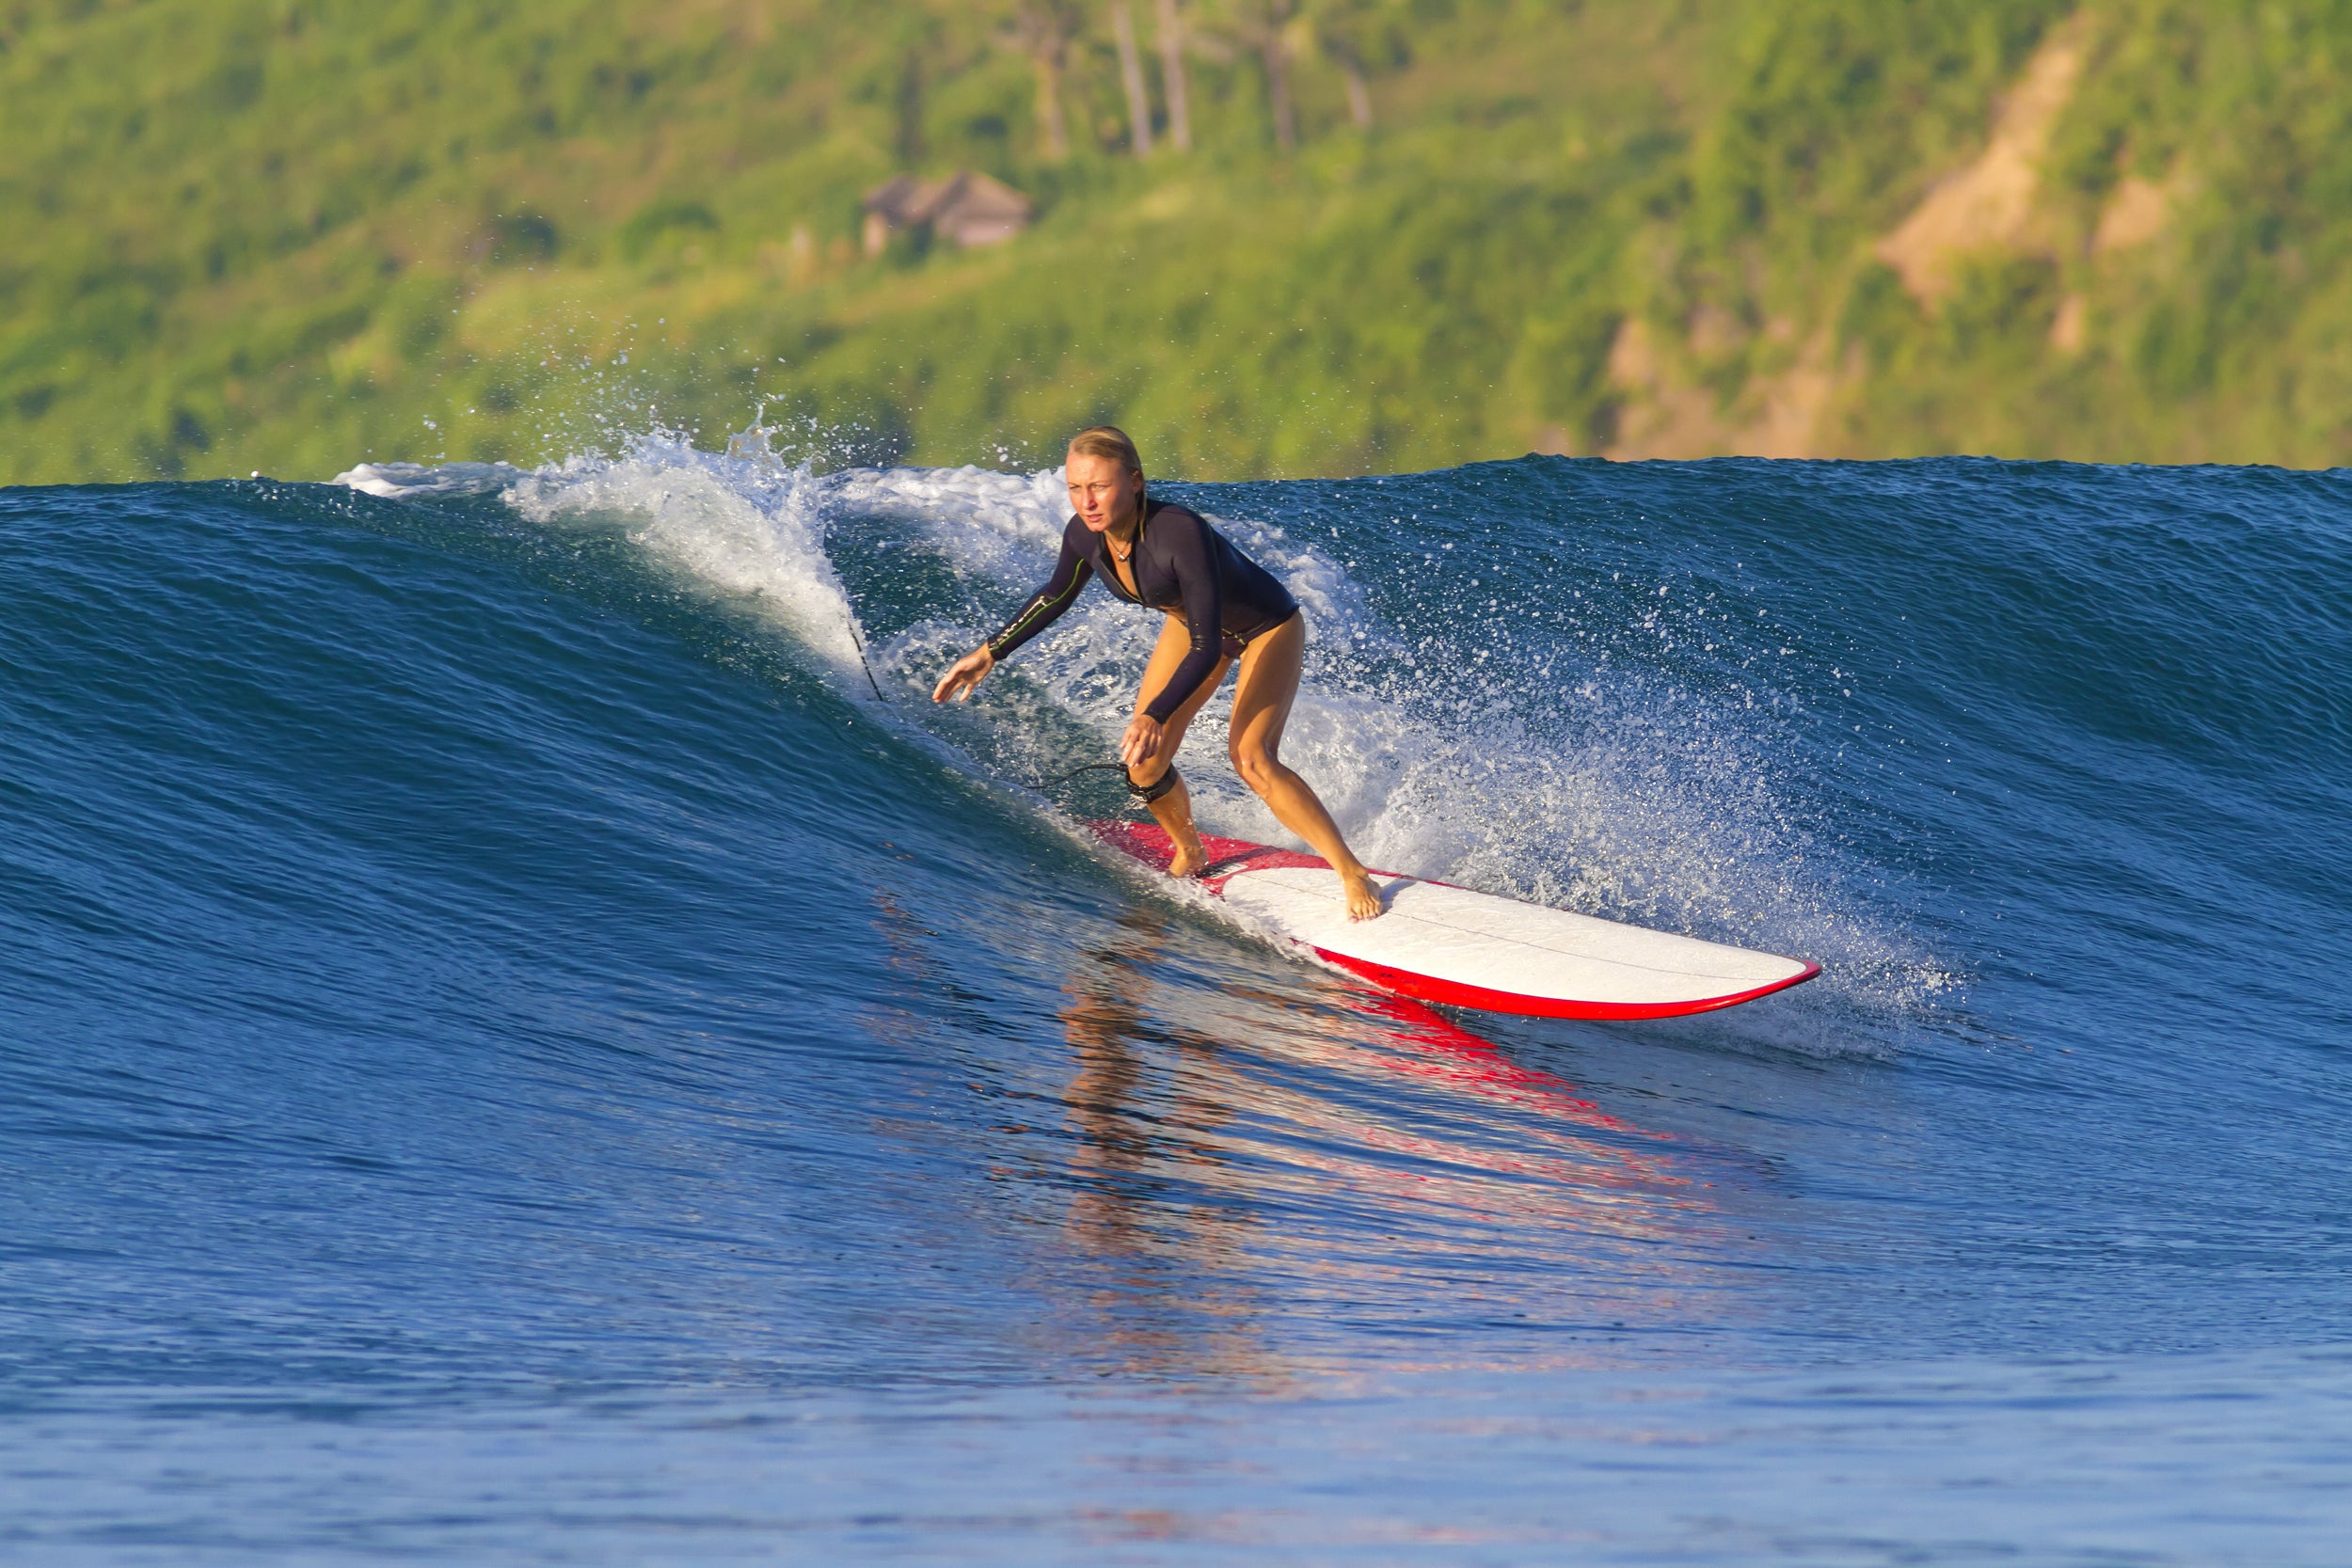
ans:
(1426, 987)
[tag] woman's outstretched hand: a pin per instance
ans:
(1142, 742)
(963, 676)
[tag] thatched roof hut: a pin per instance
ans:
(970, 209)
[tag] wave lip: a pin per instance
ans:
(419, 481)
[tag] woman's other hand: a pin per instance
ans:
(963, 676)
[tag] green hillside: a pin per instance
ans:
(289, 235)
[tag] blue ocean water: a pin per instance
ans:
(523, 1038)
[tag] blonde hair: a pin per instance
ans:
(1107, 440)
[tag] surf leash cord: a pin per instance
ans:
(1145, 793)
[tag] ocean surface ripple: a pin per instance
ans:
(524, 1037)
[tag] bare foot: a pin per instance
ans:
(1363, 899)
(1189, 860)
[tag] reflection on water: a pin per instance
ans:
(1255, 1175)
(1154, 1194)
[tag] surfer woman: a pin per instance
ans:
(1220, 606)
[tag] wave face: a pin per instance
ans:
(526, 1034)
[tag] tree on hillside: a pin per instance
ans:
(1172, 76)
(1350, 33)
(1131, 78)
(1042, 29)
(1265, 27)
(917, 37)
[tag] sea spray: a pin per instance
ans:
(1461, 724)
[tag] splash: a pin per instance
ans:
(738, 524)
(1587, 782)
(1584, 776)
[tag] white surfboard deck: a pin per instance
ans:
(1438, 942)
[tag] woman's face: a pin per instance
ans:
(1101, 491)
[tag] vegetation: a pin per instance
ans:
(289, 235)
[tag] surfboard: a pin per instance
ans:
(1438, 942)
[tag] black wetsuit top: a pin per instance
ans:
(1180, 563)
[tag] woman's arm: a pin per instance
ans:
(1071, 572)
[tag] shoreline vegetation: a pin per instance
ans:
(1271, 237)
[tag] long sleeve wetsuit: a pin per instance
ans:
(1179, 564)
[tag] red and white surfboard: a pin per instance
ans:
(1443, 943)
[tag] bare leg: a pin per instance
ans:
(1262, 706)
(1174, 810)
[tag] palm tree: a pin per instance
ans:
(1346, 31)
(1131, 77)
(1265, 26)
(1172, 76)
(1044, 29)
